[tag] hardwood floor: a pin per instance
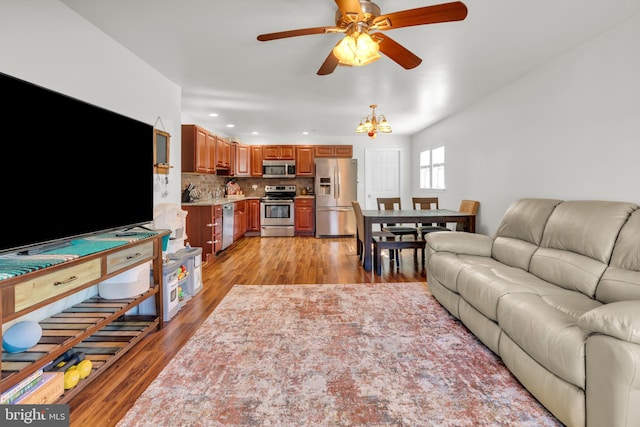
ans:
(250, 261)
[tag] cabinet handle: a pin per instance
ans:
(64, 282)
(136, 255)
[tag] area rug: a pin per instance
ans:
(334, 355)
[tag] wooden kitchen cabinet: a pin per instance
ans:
(223, 153)
(239, 219)
(256, 160)
(304, 214)
(198, 150)
(278, 152)
(305, 156)
(204, 229)
(86, 326)
(242, 159)
(253, 216)
(345, 151)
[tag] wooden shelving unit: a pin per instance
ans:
(103, 329)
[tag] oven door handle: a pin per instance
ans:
(277, 202)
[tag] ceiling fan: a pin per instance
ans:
(357, 18)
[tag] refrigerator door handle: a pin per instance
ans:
(336, 174)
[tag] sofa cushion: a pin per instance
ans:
(567, 269)
(579, 240)
(621, 280)
(513, 252)
(448, 253)
(446, 267)
(520, 231)
(557, 343)
(587, 227)
(482, 286)
(618, 319)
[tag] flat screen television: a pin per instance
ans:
(69, 168)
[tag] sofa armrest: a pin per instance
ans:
(460, 243)
(617, 319)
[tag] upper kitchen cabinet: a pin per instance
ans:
(305, 155)
(198, 150)
(223, 153)
(278, 152)
(345, 151)
(242, 159)
(256, 160)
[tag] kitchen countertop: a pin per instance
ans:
(220, 201)
(224, 200)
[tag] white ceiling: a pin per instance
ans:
(209, 48)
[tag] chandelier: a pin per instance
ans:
(372, 124)
(357, 47)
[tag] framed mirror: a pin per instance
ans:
(161, 151)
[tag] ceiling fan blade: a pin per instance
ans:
(350, 8)
(329, 65)
(447, 12)
(295, 33)
(396, 51)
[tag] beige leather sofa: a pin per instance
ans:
(556, 294)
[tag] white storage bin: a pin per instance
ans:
(128, 284)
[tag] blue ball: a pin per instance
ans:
(21, 336)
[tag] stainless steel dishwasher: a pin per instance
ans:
(227, 225)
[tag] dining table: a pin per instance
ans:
(405, 216)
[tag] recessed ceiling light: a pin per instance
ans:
(307, 132)
(230, 125)
(213, 114)
(254, 133)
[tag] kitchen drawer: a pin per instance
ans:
(32, 292)
(128, 257)
(308, 202)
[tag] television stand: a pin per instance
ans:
(103, 329)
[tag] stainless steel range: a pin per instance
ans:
(277, 210)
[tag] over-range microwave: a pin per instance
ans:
(278, 168)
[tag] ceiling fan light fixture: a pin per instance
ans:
(357, 49)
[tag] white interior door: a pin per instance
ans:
(382, 175)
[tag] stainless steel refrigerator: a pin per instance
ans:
(336, 186)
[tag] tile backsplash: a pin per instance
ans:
(207, 184)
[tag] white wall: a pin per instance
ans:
(568, 130)
(48, 44)
(44, 42)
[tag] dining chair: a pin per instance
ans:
(357, 210)
(425, 203)
(391, 203)
(466, 206)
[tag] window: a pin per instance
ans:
(432, 168)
